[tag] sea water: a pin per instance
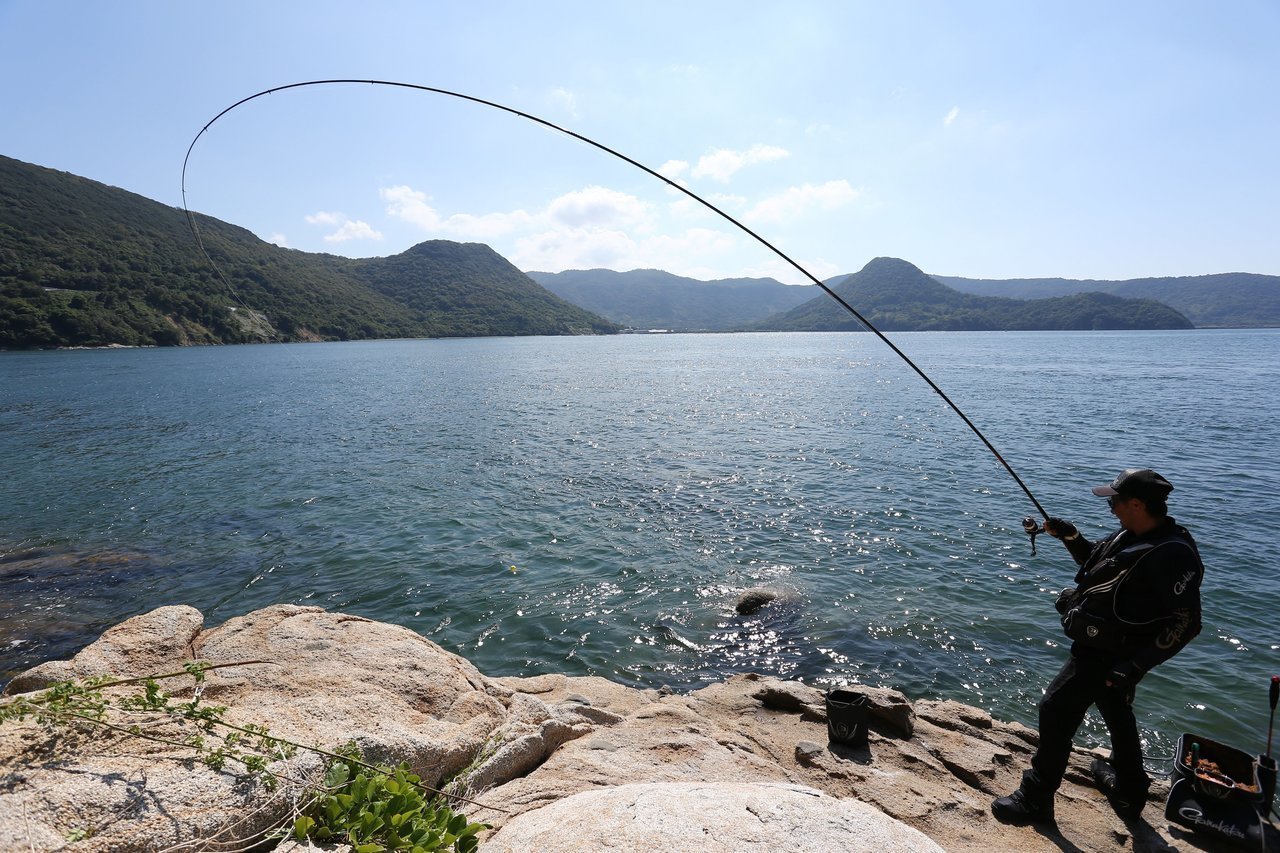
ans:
(595, 505)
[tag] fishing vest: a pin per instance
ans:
(1090, 616)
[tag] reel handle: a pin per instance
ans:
(1031, 527)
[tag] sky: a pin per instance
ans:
(986, 138)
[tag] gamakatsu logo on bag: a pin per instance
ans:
(1197, 817)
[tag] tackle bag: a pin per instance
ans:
(847, 715)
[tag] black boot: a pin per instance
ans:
(1127, 800)
(1021, 808)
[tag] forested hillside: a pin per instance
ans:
(653, 299)
(1233, 299)
(897, 296)
(85, 264)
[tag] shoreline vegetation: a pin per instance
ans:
(548, 763)
(85, 264)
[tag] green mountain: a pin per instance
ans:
(85, 264)
(897, 296)
(1234, 299)
(653, 299)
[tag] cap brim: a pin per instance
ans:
(1104, 491)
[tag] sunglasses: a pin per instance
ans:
(1115, 499)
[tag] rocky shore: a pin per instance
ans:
(552, 763)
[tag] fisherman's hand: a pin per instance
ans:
(1059, 529)
(1063, 604)
(1124, 676)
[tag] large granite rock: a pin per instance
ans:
(710, 817)
(545, 760)
(328, 678)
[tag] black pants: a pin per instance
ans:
(1081, 683)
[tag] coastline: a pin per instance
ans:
(534, 755)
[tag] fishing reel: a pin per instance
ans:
(1031, 527)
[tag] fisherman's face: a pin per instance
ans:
(1127, 511)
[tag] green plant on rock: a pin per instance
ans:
(374, 808)
(383, 810)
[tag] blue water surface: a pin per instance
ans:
(595, 505)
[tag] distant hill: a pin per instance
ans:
(653, 299)
(85, 264)
(897, 296)
(1233, 299)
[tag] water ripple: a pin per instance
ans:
(594, 506)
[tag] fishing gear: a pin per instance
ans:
(1032, 527)
(1275, 694)
(1266, 764)
(669, 182)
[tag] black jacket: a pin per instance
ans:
(1143, 592)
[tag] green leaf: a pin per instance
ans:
(302, 826)
(337, 775)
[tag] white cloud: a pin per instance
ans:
(348, 229)
(727, 200)
(696, 252)
(673, 168)
(566, 100)
(486, 226)
(279, 240)
(796, 201)
(596, 226)
(951, 116)
(598, 207)
(721, 165)
(688, 209)
(353, 230)
(325, 218)
(413, 206)
(570, 248)
(692, 242)
(404, 202)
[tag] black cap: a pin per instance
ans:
(1136, 483)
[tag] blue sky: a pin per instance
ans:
(986, 139)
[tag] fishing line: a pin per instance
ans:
(1028, 525)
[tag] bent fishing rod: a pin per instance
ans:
(1029, 524)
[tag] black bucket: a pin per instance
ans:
(1228, 800)
(847, 714)
(1233, 775)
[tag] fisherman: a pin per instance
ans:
(1136, 603)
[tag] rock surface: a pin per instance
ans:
(753, 599)
(551, 762)
(726, 817)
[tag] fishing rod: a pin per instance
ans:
(1029, 524)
